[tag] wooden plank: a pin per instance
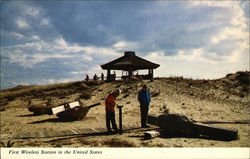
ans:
(64, 107)
(100, 130)
(84, 131)
(41, 134)
(97, 130)
(151, 134)
(58, 133)
(46, 134)
(74, 131)
(216, 132)
(103, 129)
(53, 134)
(66, 132)
(78, 131)
(94, 130)
(70, 132)
(91, 131)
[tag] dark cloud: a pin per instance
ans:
(33, 27)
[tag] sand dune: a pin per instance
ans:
(225, 100)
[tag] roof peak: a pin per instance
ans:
(129, 53)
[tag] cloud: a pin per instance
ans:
(31, 53)
(30, 60)
(45, 21)
(28, 19)
(222, 4)
(199, 63)
(124, 46)
(21, 23)
(32, 11)
(61, 41)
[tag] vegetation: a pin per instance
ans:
(233, 84)
(48, 93)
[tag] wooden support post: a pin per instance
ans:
(108, 75)
(120, 118)
(152, 73)
(130, 73)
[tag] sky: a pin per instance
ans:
(47, 42)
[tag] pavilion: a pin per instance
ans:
(129, 63)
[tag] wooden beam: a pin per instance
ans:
(216, 132)
(179, 124)
(64, 107)
(151, 134)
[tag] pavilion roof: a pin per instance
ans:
(130, 62)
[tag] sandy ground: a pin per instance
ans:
(200, 105)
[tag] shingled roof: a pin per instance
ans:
(129, 62)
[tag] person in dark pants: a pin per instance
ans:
(144, 99)
(102, 77)
(87, 77)
(110, 110)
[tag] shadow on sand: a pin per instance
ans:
(58, 120)
(27, 115)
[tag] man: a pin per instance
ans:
(144, 99)
(95, 77)
(110, 110)
(102, 77)
(87, 77)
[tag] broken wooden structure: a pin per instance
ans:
(180, 125)
(72, 111)
(129, 63)
(39, 110)
(66, 111)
